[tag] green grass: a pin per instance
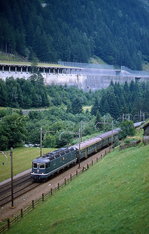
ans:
(10, 57)
(22, 160)
(138, 136)
(3, 108)
(96, 60)
(85, 108)
(29, 63)
(18, 60)
(111, 197)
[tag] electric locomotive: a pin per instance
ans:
(50, 163)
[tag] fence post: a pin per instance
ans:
(87, 166)
(70, 177)
(33, 205)
(65, 181)
(76, 172)
(8, 223)
(92, 162)
(42, 196)
(51, 191)
(21, 213)
(58, 186)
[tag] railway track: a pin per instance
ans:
(24, 184)
(20, 186)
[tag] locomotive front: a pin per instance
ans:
(39, 168)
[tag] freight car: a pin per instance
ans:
(50, 163)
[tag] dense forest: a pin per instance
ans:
(22, 93)
(51, 30)
(115, 100)
(121, 99)
(61, 109)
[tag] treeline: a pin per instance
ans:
(123, 99)
(59, 127)
(76, 30)
(71, 97)
(115, 100)
(22, 93)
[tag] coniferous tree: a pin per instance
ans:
(55, 33)
(3, 93)
(76, 106)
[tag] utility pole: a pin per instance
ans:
(143, 116)
(81, 132)
(40, 142)
(42, 137)
(11, 160)
(112, 131)
(80, 136)
(140, 115)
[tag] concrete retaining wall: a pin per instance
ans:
(89, 79)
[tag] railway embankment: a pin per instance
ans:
(112, 196)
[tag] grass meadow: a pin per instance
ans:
(22, 160)
(26, 63)
(111, 197)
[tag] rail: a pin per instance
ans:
(60, 184)
(21, 186)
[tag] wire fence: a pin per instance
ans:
(45, 196)
(86, 65)
(135, 72)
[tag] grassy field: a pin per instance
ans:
(18, 60)
(85, 108)
(111, 197)
(29, 63)
(22, 160)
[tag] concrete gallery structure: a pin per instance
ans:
(84, 76)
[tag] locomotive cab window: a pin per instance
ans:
(42, 166)
(35, 165)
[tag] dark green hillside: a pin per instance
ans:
(111, 197)
(119, 99)
(116, 31)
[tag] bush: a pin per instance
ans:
(128, 129)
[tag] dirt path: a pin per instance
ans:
(25, 200)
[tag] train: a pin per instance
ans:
(52, 162)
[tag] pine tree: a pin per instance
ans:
(3, 93)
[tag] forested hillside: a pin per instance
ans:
(116, 31)
(63, 110)
(119, 99)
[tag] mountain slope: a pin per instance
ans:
(76, 30)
